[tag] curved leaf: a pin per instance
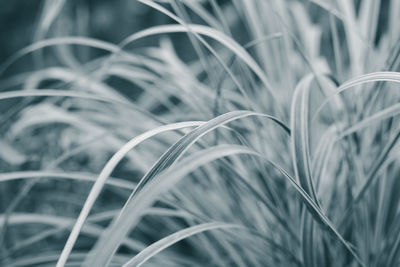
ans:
(168, 241)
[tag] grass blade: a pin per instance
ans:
(164, 243)
(105, 173)
(110, 241)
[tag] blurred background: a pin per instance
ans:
(112, 20)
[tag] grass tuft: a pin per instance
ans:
(202, 133)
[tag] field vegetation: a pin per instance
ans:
(201, 133)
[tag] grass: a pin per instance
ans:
(234, 133)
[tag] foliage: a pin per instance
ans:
(210, 133)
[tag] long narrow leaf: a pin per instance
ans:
(168, 241)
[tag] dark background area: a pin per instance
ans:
(106, 20)
(17, 23)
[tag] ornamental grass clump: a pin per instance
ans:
(203, 133)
